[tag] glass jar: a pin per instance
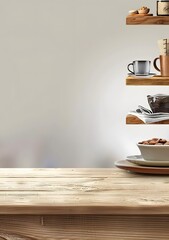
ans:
(163, 8)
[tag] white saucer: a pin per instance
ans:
(142, 76)
(138, 159)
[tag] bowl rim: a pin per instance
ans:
(144, 145)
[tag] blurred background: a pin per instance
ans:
(63, 99)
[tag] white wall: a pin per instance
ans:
(62, 79)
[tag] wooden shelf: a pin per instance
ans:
(147, 20)
(157, 80)
(130, 119)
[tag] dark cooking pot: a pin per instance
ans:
(159, 103)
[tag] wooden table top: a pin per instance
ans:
(82, 191)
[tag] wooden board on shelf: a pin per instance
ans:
(156, 80)
(147, 20)
(140, 15)
(130, 119)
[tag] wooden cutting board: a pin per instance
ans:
(140, 15)
(125, 165)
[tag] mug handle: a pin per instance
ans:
(128, 67)
(155, 64)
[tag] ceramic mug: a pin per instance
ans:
(140, 67)
(164, 65)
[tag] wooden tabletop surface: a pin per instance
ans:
(82, 191)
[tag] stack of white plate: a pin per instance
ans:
(139, 160)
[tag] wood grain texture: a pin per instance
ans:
(147, 20)
(82, 204)
(131, 119)
(153, 81)
(81, 191)
(82, 227)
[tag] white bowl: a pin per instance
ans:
(154, 152)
